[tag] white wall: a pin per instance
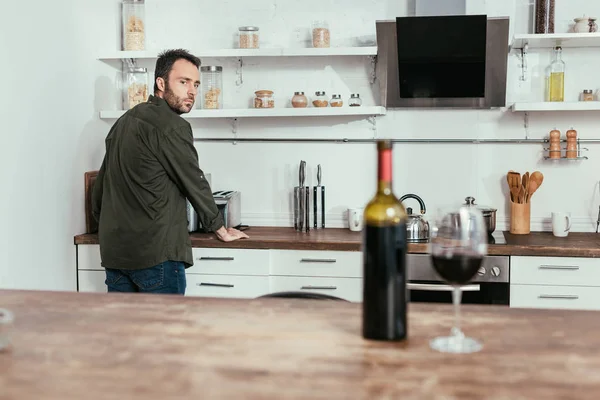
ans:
(55, 85)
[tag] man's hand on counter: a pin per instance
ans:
(230, 234)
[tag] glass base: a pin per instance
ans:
(455, 344)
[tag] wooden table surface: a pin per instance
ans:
(70, 346)
(577, 244)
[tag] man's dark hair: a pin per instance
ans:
(165, 62)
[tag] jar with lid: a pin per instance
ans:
(587, 95)
(355, 100)
(336, 101)
(320, 99)
(211, 78)
(135, 87)
(133, 25)
(264, 99)
(299, 100)
(320, 34)
(248, 37)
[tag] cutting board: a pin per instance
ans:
(91, 226)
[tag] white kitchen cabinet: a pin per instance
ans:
(231, 286)
(555, 282)
(230, 262)
(345, 288)
(88, 257)
(346, 264)
(92, 281)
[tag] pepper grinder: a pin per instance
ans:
(555, 143)
(571, 143)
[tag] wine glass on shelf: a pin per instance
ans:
(458, 244)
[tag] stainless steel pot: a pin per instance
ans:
(489, 214)
(417, 228)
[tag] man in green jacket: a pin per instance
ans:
(149, 169)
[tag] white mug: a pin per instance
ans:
(561, 223)
(355, 219)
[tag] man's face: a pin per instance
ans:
(181, 87)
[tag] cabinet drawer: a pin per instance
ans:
(316, 263)
(230, 261)
(346, 288)
(88, 257)
(92, 281)
(231, 286)
(545, 296)
(567, 271)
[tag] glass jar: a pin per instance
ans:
(248, 37)
(320, 100)
(320, 34)
(587, 95)
(135, 87)
(133, 25)
(299, 100)
(264, 99)
(336, 101)
(355, 100)
(211, 78)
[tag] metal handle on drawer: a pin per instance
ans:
(558, 296)
(560, 267)
(215, 284)
(215, 258)
(441, 288)
(318, 287)
(318, 260)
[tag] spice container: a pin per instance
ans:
(320, 99)
(248, 37)
(133, 27)
(320, 34)
(336, 101)
(544, 16)
(299, 100)
(571, 143)
(212, 87)
(264, 99)
(587, 95)
(135, 87)
(355, 100)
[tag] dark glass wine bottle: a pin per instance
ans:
(384, 257)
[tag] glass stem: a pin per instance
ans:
(456, 299)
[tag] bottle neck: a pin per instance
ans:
(384, 175)
(558, 55)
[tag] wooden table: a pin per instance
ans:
(130, 346)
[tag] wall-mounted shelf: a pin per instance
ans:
(270, 112)
(557, 106)
(240, 53)
(549, 40)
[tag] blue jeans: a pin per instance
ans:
(167, 277)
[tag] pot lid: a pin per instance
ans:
(470, 201)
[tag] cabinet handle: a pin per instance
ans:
(558, 296)
(215, 284)
(560, 267)
(318, 260)
(215, 259)
(318, 287)
(435, 287)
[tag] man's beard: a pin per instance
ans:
(175, 102)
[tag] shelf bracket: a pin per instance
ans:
(234, 129)
(526, 124)
(238, 71)
(131, 62)
(523, 59)
(373, 121)
(372, 74)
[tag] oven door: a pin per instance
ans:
(489, 286)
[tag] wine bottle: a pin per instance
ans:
(384, 257)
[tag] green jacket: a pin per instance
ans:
(139, 198)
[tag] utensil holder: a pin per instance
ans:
(520, 218)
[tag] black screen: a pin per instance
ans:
(442, 56)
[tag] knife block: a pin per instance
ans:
(520, 218)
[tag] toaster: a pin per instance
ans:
(229, 205)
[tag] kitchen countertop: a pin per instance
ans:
(69, 346)
(577, 244)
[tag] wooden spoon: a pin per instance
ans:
(535, 181)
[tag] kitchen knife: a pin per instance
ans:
(307, 209)
(302, 197)
(319, 176)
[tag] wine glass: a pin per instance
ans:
(458, 245)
